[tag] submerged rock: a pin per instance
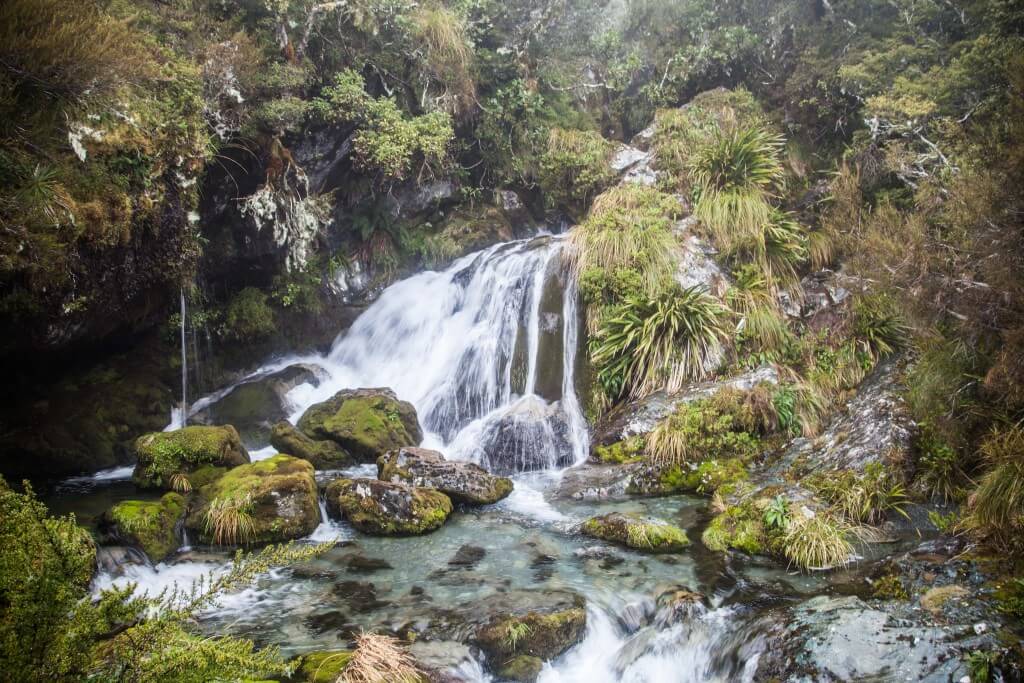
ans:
(324, 455)
(387, 509)
(647, 535)
(149, 525)
(277, 496)
(253, 406)
(162, 455)
(463, 482)
(365, 422)
(515, 643)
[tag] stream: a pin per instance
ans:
(487, 352)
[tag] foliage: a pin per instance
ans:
(996, 505)
(890, 587)
(776, 514)
(879, 326)
(515, 631)
(379, 659)
(867, 497)
(817, 541)
(248, 317)
(228, 520)
(574, 168)
(448, 55)
(649, 344)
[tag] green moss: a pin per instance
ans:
(705, 477)
(544, 636)
(890, 587)
(149, 525)
(521, 668)
(322, 454)
(620, 452)
(387, 509)
(647, 535)
(248, 317)
(322, 666)
(736, 528)
(366, 423)
(164, 454)
(575, 168)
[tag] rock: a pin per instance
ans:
(468, 229)
(541, 634)
(162, 455)
(844, 639)
(647, 535)
(278, 495)
(365, 422)
(149, 525)
(253, 406)
(592, 481)
(361, 564)
(697, 266)
(821, 291)
(387, 509)
(467, 556)
(936, 598)
(635, 615)
(415, 198)
(703, 477)
(523, 668)
(320, 666)
(640, 417)
(531, 434)
(678, 605)
(463, 482)
(324, 455)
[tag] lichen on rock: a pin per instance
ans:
(387, 509)
(461, 481)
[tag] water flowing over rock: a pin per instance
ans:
(460, 481)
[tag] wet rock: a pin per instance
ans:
(544, 634)
(162, 456)
(469, 229)
(365, 422)
(440, 660)
(112, 558)
(844, 639)
(361, 564)
(463, 482)
(640, 417)
(253, 406)
(593, 481)
(415, 198)
(467, 556)
(635, 615)
(697, 265)
(360, 596)
(646, 535)
(935, 599)
(324, 455)
(530, 435)
(278, 495)
(678, 605)
(522, 668)
(821, 291)
(387, 509)
(149, 525)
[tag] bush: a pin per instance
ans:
(574, 168)
(660, 343)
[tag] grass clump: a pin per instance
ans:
(575, 168)
(228, 520)
(995, 508)
(879, 326)
(658, 343)
(379, 659)
(815, 541)
(865, 498)
(515, 631)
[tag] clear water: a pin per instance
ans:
(473, 349)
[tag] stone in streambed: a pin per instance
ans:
(278, 495)
(149, 525)
(387, 509)
(646, 535)
(467, 556)
(463, 482)
(365, 422)
(162, 455)
(521, 668)
(324, 455)
(543, 635)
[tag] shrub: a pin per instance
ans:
(939, 474)
(996, 505)
(659, 343)
(575, 167)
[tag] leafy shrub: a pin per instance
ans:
(879, 325)
(575, 167)
(649, 344)
(776, 514)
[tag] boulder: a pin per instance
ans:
(268, 501)
(149, 525)
(320, 666)
(162, 455)
(647, 535)
(463, 482)
(515, 643)
(365, 422)
(324, 455)
(387, 509)
(253, 406)
(531, 434)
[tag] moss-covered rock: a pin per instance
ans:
(387, 509)
(739, 528)
(647, 535)
(522, 668)
(321, 666)
(705, 477)
(463, 482)
(621, 452)
(543, 635)
(365, 422)
(150, 525)
(324, 455)
(162, 455)
(268, 501)
(467, 229)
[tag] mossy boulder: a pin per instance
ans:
(739, 527)
(463, 482)
(162, 455)
(512, 641)
(150, 525)
(647, 535)
(387, 509)
(365, 422)
(321, 666)
(324, 455)
(274, 500)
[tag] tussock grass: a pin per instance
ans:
(379, 659)
(996, 506)
(229, 520)
(817, 541)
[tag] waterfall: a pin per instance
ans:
(184, 364)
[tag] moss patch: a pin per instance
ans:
(164, 454)
(148, 524)
(738, 528)
(322, 666)
(365, 422)
(544, 636)
(324, 455)
(621, 452)
(387, 509)
(705, 477)
(647, 535)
